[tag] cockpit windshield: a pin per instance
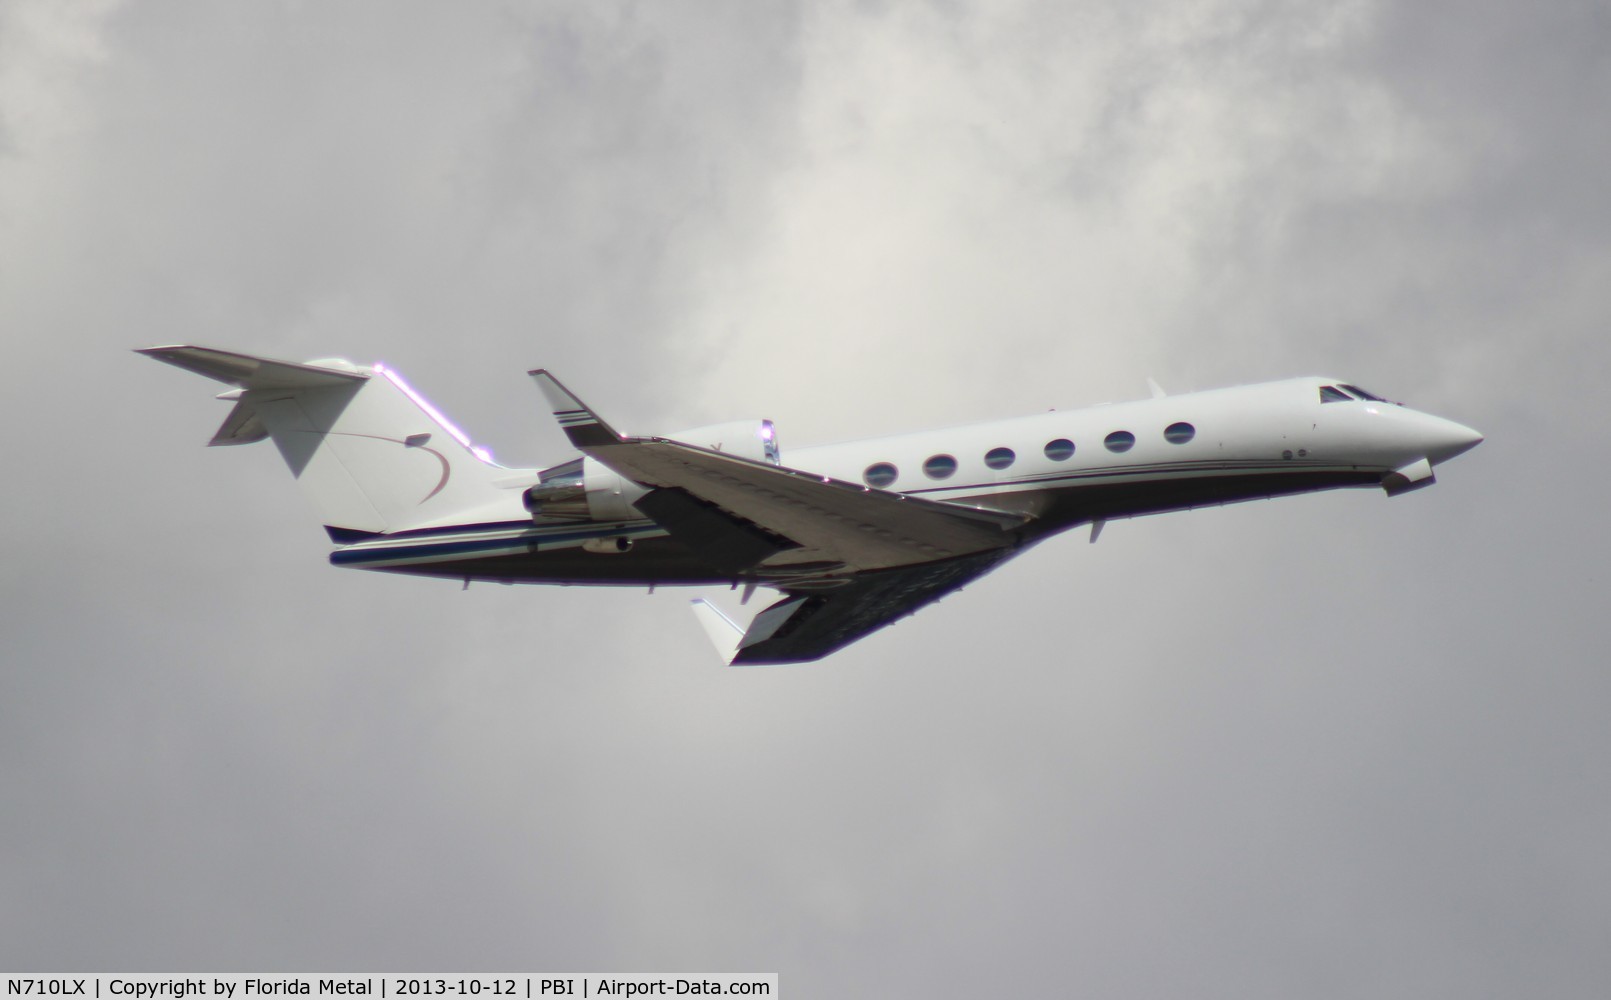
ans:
(1349, 394)
(1362, 394)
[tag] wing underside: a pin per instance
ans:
(808, 625)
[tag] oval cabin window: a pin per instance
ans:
(880, 474)
(1120, 442)
(999, 458)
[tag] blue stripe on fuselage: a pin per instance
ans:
(379, 550)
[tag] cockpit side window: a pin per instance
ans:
(1331, 394)
(1362, 394)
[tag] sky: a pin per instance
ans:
(1328, 746)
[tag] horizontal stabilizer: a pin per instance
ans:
(252, 372)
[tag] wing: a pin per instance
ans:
(808, 625)
(784, 521)
(849, 559)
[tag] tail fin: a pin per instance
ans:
(369, 453)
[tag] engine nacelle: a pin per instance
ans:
(583, 489)
(609, 494)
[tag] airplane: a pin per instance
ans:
(852, 536)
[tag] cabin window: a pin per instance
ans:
(880, 474)
(1332, 394)
(1060, 450)
(1119, 442)
(999, 458)
(1179, 433)
(940, 467)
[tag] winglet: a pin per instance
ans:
(584, 427)
(1157, 390)
(724, 633)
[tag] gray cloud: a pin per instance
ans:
(1330, 746)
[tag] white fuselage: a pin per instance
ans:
(1276, 428)
(1065, 468)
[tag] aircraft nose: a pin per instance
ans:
(1445, 439)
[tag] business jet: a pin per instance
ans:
(851, 536)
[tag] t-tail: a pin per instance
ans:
(369, 453)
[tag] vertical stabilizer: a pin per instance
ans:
(368, 452)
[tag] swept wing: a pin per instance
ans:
(849, 559)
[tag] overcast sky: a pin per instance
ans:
(1331, 746)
